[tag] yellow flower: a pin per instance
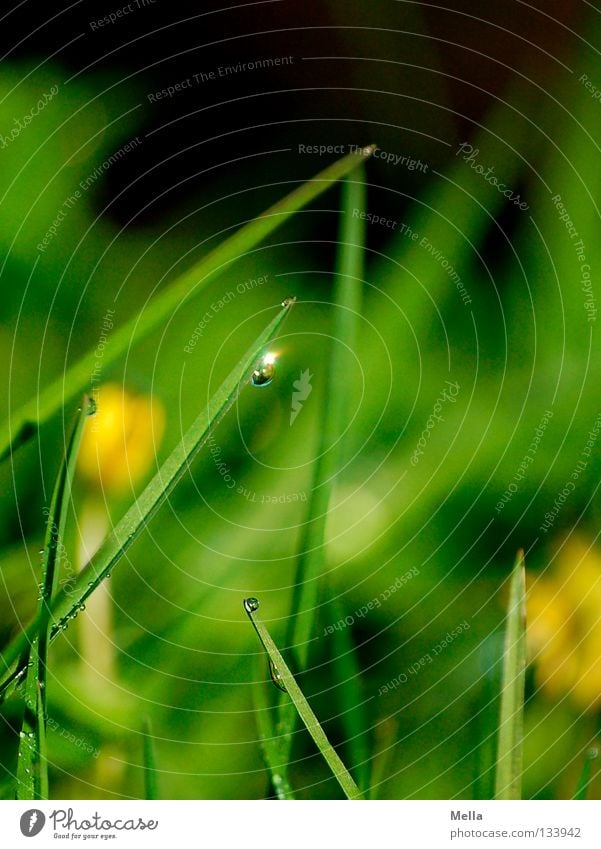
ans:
(121, 440)
(564, 624)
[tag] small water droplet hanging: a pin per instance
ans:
(251, 604)
(91, 406)
(264, 372)
(276, 677)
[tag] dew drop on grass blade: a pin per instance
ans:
(340, 772)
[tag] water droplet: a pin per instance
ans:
(287, 302)
(41, 551)
(91, 407)
(82, 607)
(264, 372)
(276, 677)
(251, 604)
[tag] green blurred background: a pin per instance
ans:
(419, 80)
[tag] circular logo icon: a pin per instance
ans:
(32, 822)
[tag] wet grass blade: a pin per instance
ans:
(32, 769)
(127, 530)
(301, 705)
(585, 776)
(24, 423)
(508, 778)
(347, 310)
(151, 790)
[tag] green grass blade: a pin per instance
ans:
(32, 769)
(585, 776)
(508, 779)
(127, 530)
(151, 789)
(301, 705)
(271, 742)
(347, 300)
(24, 423)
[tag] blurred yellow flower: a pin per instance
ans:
(121, 440)
(564, 624)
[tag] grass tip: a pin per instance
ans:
(251, 605)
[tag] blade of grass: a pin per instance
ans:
(347, 300)
(485, 716)
(32, 769)
(67, 604)
(24, 423)
(301, 705)
(310, 564)
(585, 776)
(508, 779)
(151, 790)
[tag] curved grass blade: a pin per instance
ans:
(32, 769)
(151, 790)
(585, 776)
(508, 778)
(340, 772)
(310, 564)
(127, 530)
(26, 421)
